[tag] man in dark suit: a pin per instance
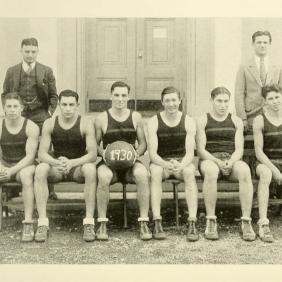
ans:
(35, 84)
(251, 77)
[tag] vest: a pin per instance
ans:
(220, 135)
(13, 145)
(68, 142)
(171, 139)
(272, 139)
(120, 131)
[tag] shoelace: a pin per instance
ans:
(266, 230)
(192, 227)
(212, 226)
(27, 229)
(88, 228)
(41, 229)
(247, 226)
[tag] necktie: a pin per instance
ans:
(262, 71)
(29, 69)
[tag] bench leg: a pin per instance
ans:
(175, 195)
(124, 206)
(1, 208)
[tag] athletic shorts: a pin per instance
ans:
(69, 177)
(123, 176)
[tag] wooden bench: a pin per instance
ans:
(73, 200)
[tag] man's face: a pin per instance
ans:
(171, 102)
(261, 45)
(29, 53)
(120, 97)
(68, 106)
(273, 100)
(13, 109)
(220, 104)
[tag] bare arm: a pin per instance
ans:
(258, 126)
(189, 142)
(6, 87)
(32, 132)
(142, 144)
(99, 121)
(201, 140)
(45, 144)
(239, 141)
(153, 144)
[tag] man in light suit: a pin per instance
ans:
(35, 84)
(251, 77)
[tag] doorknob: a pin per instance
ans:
(140, 55)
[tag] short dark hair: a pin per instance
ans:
(29, 42)
(261, 33)
(12, 95)
(169, 90)
(270, 88)
(68, 93)
(220, 90)
(120, 84)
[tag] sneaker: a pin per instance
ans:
(192, 234)
(211, 230)
(158, 233)
(265, 233)
(28, 232)
(41, 234)
(88, 232)
(145, 232)
(101, 233)
(248, 233)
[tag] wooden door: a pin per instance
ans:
(110, 56)
(161, 60)
(148, 54)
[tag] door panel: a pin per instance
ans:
(110, 57)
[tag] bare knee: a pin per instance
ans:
(26, 176)
(264, 174)
(189, 172)
(244, 172)
(41, 171)
(156, 172)
(105, 176)
(140, 174)
(89, 171)
(210, 170)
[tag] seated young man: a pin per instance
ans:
(268, 147)
(220, 144)
(73, 140)
(121, 124)
(171, 139)
(19, 142)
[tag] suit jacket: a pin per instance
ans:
(248, 86)
(46, 84)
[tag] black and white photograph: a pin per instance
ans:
(146, 140)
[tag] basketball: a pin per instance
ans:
(120, 155)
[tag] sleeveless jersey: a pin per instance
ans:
(272, 139)
(171, 139)
(120, 131)
(13, 145)
(220, 135)
(68, 142)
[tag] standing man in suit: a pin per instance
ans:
(35, 84)
(251, 77)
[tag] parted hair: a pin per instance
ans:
(12, 95)
(270, 88)
(119, 84)
(261, 33)
(220, 90)
(29, 42)
(169, 90)
(68, 93)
